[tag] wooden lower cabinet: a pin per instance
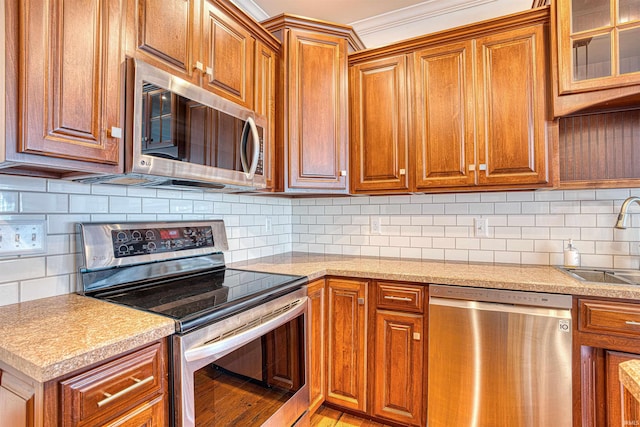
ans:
(17, 401)
(399, 355)
(128, 390)
(346, 343)
(605, 337)
(317, 366)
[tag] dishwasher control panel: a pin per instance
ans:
(500, 296)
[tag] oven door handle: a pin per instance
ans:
(215, 350)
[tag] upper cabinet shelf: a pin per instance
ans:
(596, 53)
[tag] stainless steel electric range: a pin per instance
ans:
(239, 352)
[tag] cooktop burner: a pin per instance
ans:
(173, 269)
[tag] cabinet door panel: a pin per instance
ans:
(346, 351)
(399, 360)
(510, 105)
(164, 30)
(444, 116)
(265, 105)
(70, 84)
(379, 125)
(317, 111)
(615, 395)
(228, 53)
(317, 375)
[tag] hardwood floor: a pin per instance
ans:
(232, 397)
(327, 417)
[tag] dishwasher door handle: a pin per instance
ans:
(559, 313)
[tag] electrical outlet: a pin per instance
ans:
(481, 227)
(376, 226)
(268, 225)
(22, 237)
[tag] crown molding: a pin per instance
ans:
(410, 14)
(252, 9)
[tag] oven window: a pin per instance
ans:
(250, 385)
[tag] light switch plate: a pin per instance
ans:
(481, 226)
(23, 237)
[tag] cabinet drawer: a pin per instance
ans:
(610, 317)
(113, 388)
(397, 296)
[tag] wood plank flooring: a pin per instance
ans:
(327, 417)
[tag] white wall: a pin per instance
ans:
(62, 204)
(526, 227)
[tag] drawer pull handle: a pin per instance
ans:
(394, 298)
(111, 397)
(632, 323)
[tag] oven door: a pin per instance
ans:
(249, 369)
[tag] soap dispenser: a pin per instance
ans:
(571, 255)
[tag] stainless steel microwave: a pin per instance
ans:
(181, 135)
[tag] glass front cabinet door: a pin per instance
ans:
(598, 44)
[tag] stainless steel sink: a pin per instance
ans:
(610, 276)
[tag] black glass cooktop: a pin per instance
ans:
(202, 298)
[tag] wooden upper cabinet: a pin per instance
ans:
(227, 51)
(317, 113)
(475, 113)
(510, 106)
(379, 137)
(346, 343)
(313, 110)
(205, 42)
(264, 104)
(596, 60)
(444, 120)
(163, 34)
(597, 44)
(70, 83)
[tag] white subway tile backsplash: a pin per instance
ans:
(525, 227)
(47, 202)
(88, 204)
(9, 293)
(22, 183)
(9, 202)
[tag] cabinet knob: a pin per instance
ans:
(114, 132)
(472, 168)
(403, 172)
(199, 66)
(209, 71)
(360, 301)
(482, 167)
(416, 336)
(343, 173)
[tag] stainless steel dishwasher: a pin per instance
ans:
(498, 358)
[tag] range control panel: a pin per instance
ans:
(144, 241)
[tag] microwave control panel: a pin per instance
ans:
(146, 241)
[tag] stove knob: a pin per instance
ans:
(151, 247)
(136, 235)
(121, 236)
(123, 250)
(150, 235)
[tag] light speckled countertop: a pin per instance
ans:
(50, 337)
(502, 276)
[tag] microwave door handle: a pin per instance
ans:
(249, 126)
(215, 350)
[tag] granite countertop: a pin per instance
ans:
(500, 276)
(51, 337)
(630, 377)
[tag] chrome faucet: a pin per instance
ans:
(623, 218)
